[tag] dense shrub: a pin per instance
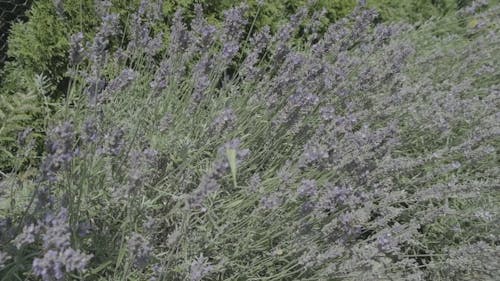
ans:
(368, 152)
(40, 46)
(10, 11)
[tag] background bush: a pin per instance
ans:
(10, 11)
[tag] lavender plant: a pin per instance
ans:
(367, 152)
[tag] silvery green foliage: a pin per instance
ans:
(474, 261)
(370, 159)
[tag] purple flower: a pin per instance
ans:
(386, 243)
(475, 6)
(102, 7)
(110, 25)
(59, 258)
(98, 49)
(271, 201)
(203, 34)
(49, 267)
(90, 130)
(229, 50)
(59, 146)
(154, 45)
(234, 23)
(151, 9)
(307, 188)
(114, 142)
(139, 249)
(314, 154)
(28, 235)
(165, 122)
(254, 183)
(209, 182)
(179, 35)
(241, 154)
(54, 264)
(200, 267)
(126, 77)
(224, 121)
(76, 48)
(74, 260)
(162, 74)
(258, 43)
(327, 113)
(56, 234)
(140, 29)
(206, 187)
(201, 78)
(95, 86)
(334, 197)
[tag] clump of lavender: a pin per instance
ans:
(58, 258)
(272, 201)
(55, 265)
(96, 51)
(202, 33)
(61, 150)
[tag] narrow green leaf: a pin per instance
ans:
(231, 157)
